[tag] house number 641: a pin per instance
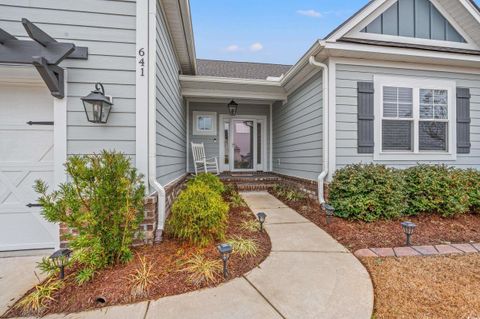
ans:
(141, 61)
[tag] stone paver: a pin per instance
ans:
(426, 250)
(447, 249)
(365, 253)
(383, 252)
(405, 251)
(477, 246)
(466, 248)
(16, 277)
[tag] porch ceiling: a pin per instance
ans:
(226, 88)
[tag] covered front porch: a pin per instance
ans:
(233, 119)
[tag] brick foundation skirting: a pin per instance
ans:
(308, 186)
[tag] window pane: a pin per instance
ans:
(441, 112)
(397, 102)
(226, 146)
(426, 96)
(441, 97)
(433, 136)
(397, 135)
(259, 143)
(207, 123)
(426, 111)
(201, 123)
(389, 110)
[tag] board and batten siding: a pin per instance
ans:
(298, 131)
(170, 117)
(211, 142)
(346, 113)
(108, 29)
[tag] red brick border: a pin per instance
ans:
(425, 250)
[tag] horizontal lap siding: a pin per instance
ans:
(346, 112)
(107, 28)
(211, 142)
(297, 132)
(171, 142)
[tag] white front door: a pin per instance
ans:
(26, 154)
(242, 143)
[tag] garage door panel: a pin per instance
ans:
(26, 154)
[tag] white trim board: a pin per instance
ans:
(141, 90)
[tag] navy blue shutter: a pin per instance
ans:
(463, 121)
(365, 117)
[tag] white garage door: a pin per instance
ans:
(26, 154)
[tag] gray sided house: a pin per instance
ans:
(398, 83)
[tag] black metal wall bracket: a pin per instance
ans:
(45, 53)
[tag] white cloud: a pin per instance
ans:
(310, 13)
(255, 47)
(233, 48)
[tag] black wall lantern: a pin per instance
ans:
(232, 108)
(97, 105)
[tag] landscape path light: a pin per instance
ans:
(261, 219)
(60, 259)
(225, 250)
(329, 212)
(408, 229)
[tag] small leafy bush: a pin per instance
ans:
(472, 183)
(288, 193)
(250, 225)
(236, 200)
(368, 192)
(436, 189)
(202, 270)
(209, 180)
(199, 215)
(103, 203)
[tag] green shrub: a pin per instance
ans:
(368, 192)
(209, 180)
(472, 184)
(199, 215)
(436, 189)
(103, 203)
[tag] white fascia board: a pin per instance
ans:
(214, 79)
(236, 94)
(359, 17)
(314, 50)
(471, 8)
(394, 53)
(189, 36)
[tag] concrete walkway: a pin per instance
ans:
(307, 275)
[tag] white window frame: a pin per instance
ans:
(197, 115)
(416, 84)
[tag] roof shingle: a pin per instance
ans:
(243, 70)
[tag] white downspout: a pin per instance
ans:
(325, 80)
(152, 118)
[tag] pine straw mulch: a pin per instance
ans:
(114, 285)
(426, 287)
(431, 229)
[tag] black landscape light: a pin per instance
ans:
(225, 250)
(60, 259)
(232, 108)
(261, 219)
(97, 106)
(329, 212)
(408, 228)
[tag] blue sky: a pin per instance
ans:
(276, 31)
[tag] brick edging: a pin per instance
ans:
(424, 250)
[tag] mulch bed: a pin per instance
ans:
(113, 284)
(431, 229)
(427, 287)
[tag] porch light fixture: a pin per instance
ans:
(329, 212)
(408, 228)
(225, 250)
(60, 259)
(97, 106)
(261, 219)
(232, 108)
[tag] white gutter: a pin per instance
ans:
(152, 118)
(325, 80)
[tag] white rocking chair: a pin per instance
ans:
(201, 162)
